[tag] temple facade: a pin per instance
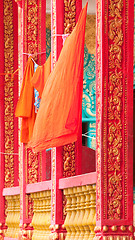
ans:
(83, 190)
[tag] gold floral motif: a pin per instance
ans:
(98, 113)
(53, 184)
(30, 207)
(32, 160)
(32, 29)
(69, 15)
(115, 94)
(8, 88)
(69, 150)
(69, 160)
(64, 207)
(54, 31)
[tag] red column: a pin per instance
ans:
(34, 42)
(8, 98)
(60, 24)
(2, 125)
(56, 162)
(114, 152)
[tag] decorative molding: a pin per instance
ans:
(54, 55)
(98, 110)
(53, 185)
(32, 162)
(29, 206)
(90, 34)
(9, 94)
(69, 15)
(32, 28)
(115, 110)
(69, 160)
(69, 150)
(64, 206)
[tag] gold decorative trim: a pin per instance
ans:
(115, 107)
(69, 15)
(32, 161)
(69, 160)
(53, 184)
(69, 150)
(54, 54)
(32, 28)
(98, 114)
(9, 94)
(125, 119)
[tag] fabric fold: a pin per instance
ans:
(41, 75)
(59, 115)
(25, 106)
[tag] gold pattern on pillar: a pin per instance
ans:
(41, 220)
(81, 212)
(98, 112)
(69, 160)
(32, 26)
(69, 150)
(8, 88)
(69, 15)
(32, 163)
(115, 111)
(13, 216)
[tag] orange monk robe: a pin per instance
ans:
(59, 115)
(41, 75)
(25, 106)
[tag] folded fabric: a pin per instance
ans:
(25, 106)
(41, 75)
(59, 115)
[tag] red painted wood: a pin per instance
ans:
(112, 180)
(59, 25)
(48, 165)
(129, 73)
(11, 191)
(88, 160)
(2, 125)
(56, 158)
(43, 32)
(15, 25)
(78, 8)
(56, 175)
(43, 165)
(80, 180)
(38, 187)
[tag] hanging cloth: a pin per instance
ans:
(25, 106)
(59, 115)
(41, 75)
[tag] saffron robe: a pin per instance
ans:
(41, 75)
(25, 106)
(59, 115)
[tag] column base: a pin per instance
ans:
(114, 233)
(57, 232)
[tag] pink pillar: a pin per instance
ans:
(8, 89)
(2, 125)
(56, 162)
(60, 20)
(33, 42)
(114, 153)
